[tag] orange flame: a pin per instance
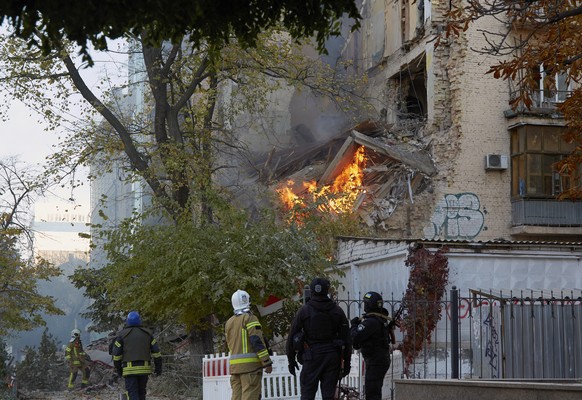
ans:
(340, 196)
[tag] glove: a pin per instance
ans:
(346, 371)
(118, 368)
(158, 371)
(292, 367)
(355, 321)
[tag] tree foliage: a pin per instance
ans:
(180, 140)
(186, 120)
(542, 33)
(184, 274)
(5, 362)
(48, 24)
(422, 300)
(21, 306)
(42, 368)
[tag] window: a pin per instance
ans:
(552, 89)
(534, 151)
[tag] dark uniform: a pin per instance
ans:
(133, 351)
(373, 334)
(322, 331)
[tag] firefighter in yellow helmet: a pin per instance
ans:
(248, 351)
(77, 360)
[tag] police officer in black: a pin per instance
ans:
(373, 334)
(320, 332)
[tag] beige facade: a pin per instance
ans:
(57, 227)
(484, 189)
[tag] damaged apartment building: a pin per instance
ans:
(448, 162)
(447, 159)
(492, 195)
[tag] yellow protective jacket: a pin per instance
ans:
(248, 351)
(74, 354)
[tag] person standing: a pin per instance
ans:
(373, 334)
(77, 360)
(133, 351)
(249, 354)
(320, 338)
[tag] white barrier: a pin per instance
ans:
(279, 384)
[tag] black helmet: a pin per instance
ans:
(319, 287)
(373, 302)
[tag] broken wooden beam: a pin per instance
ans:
(417, 160)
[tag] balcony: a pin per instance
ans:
(543, 101)
(546, 216)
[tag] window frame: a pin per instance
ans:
(534, 151)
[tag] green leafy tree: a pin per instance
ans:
(180, 141)
(21, 305)
(42, 368)
(47, 25)
(185, 274)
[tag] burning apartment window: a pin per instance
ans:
(534, 151)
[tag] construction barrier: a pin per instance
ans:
(279, 384)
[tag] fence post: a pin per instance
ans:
(455, 333)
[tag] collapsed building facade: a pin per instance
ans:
(493, 165)
(446, 157)
(493, 180)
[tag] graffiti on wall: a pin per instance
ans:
(492, 348)
(456, 216)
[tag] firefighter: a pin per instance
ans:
(249, 353)
(320, 338)
(77, 360)
(373, 334)
(133, 351)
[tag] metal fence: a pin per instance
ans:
(526, 334)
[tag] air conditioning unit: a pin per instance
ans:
(496, 162)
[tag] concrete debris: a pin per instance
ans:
(398, 166)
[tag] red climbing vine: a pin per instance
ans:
(429, 275)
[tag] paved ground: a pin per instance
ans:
(94, 393)
(107, 394)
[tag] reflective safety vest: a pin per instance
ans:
(75, 354)
(248, 351)
(134, 348)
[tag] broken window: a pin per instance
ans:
(411, 89)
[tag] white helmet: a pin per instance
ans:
(241, 301)
(75, 333)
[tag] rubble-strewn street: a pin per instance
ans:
(109, 393)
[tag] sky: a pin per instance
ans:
(23, 134)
